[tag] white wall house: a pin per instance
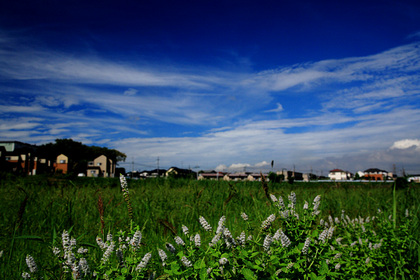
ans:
(338, 174)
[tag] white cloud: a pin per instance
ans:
(130, 92)
(262, 164)
(221, 167)
(278, 108)
(20, 109)
(406, 144)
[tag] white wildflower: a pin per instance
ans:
(215, 239)
(135, 241)
(109, 237)
(123, 182)
(197, 240)
(306, 205)
(244, 216)
(204, 224)
(162, 256)
(56, 251)
(273, 198)
(30, 262)
(241, 238)
(227, 236)
(330, 232)
(26, 275)
(65, 237)
(221, 224)
(185, 230)
(185, 261)
(223, 261)
(277, 235)
(377, 246)
(337, 266)
(84, 267)
(267, 223)
(281, 203)
(108, 252)
(285, 241)
(179, 241)
(170, 248)
(267, 242)
(101, 244)
(292, 199)
(323, 235)
(306, 246)
(144, 261)
(72, 244)
(82, 250)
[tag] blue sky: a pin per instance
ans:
(231, 85)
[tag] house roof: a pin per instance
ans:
(337, 170)
(374, 170)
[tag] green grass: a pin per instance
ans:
(35, 210)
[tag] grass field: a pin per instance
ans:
(36, 210)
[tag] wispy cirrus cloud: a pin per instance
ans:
(360, 104)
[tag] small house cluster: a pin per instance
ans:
(23, 158)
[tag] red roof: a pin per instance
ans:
(337, 170)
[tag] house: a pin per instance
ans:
(290, 174)
(376, 174)
(212, 175)
(101, 167)
(414, 178)
(62, 164)
(176, 172)
(256, 177)
(338, 175)
(21, 158)
(309, 176)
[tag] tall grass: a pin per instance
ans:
(36, 210)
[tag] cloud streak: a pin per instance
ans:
(360, 105)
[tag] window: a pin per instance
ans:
(63, 161)
(99, 164)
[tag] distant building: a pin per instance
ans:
(290, 174)
(176, 172)
(414, 178)
(211, 175)
(376, 174)
(22, 158)
(101, 167)
(62, 164)
(309, 176)
(339, 175)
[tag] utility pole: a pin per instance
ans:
(158, 166)
(132, 164)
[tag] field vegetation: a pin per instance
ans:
(54, 228)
